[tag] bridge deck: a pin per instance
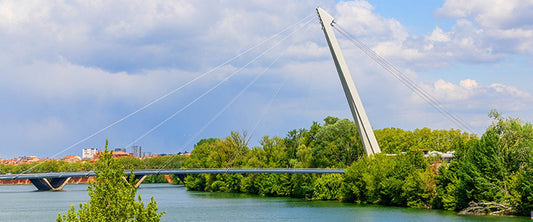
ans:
(172, 171)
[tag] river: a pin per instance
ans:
(23, 203)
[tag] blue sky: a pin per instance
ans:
(72, 68)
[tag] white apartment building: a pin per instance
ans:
(89, 153)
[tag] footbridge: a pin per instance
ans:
(54, 181)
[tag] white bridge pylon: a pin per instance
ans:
(356, 106)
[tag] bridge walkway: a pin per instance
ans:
(54, 181)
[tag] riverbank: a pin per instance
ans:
(22, 203)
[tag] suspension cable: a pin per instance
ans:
(240, 93)
(276, 93)
(428, 98)
(229, 104)
(232, 160)
(221, 111)
(199, 97)
(173, 91)
(230, 163)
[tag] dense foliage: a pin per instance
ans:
(494, 169)
(112, 197)
(335, 144)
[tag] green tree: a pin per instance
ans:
(337, 144)
(524, 191)
(494, 168)
(394, 140)
(328, 187)
(201, 152)
(275, 152)
(404, 180)
(112, 197)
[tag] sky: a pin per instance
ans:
(186, 70)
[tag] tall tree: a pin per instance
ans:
(337, 144)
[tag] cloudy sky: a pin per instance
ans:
(73, 68)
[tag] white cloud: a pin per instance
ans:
(359, 18)
(134, 35)
(511, 91)
(468, 84)
(469, 94)
(73, 66)
(307, 50)
(483, 33)
(505, 26)
(439, 36)
(65, 81)
(469, 101)
(500, 14)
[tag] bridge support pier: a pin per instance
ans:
(138, 179)
(181, 177)
(53, 184)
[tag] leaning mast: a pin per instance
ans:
(356, 106)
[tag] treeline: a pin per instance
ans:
(170, 161)
(495, 168)
(129, 163)
(46, 166)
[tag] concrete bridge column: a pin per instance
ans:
(139, 179)
(181, 177)
(366, 133)
(53, 184)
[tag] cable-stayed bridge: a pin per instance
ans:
(56, 181)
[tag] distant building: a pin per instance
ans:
(137, 151)
(118, 154)
(447, 157)
(72, 159)
(120, 150)
(184, 153)
(147, 154)
(89, 153)
(22, 160)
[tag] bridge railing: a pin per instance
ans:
(174, 171)
(56, 180)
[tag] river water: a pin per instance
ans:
(23, 203)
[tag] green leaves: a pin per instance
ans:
(394, 140)
(404, 180)
(337, 144)
(493, 168)
(112, 197)
(328, 187)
